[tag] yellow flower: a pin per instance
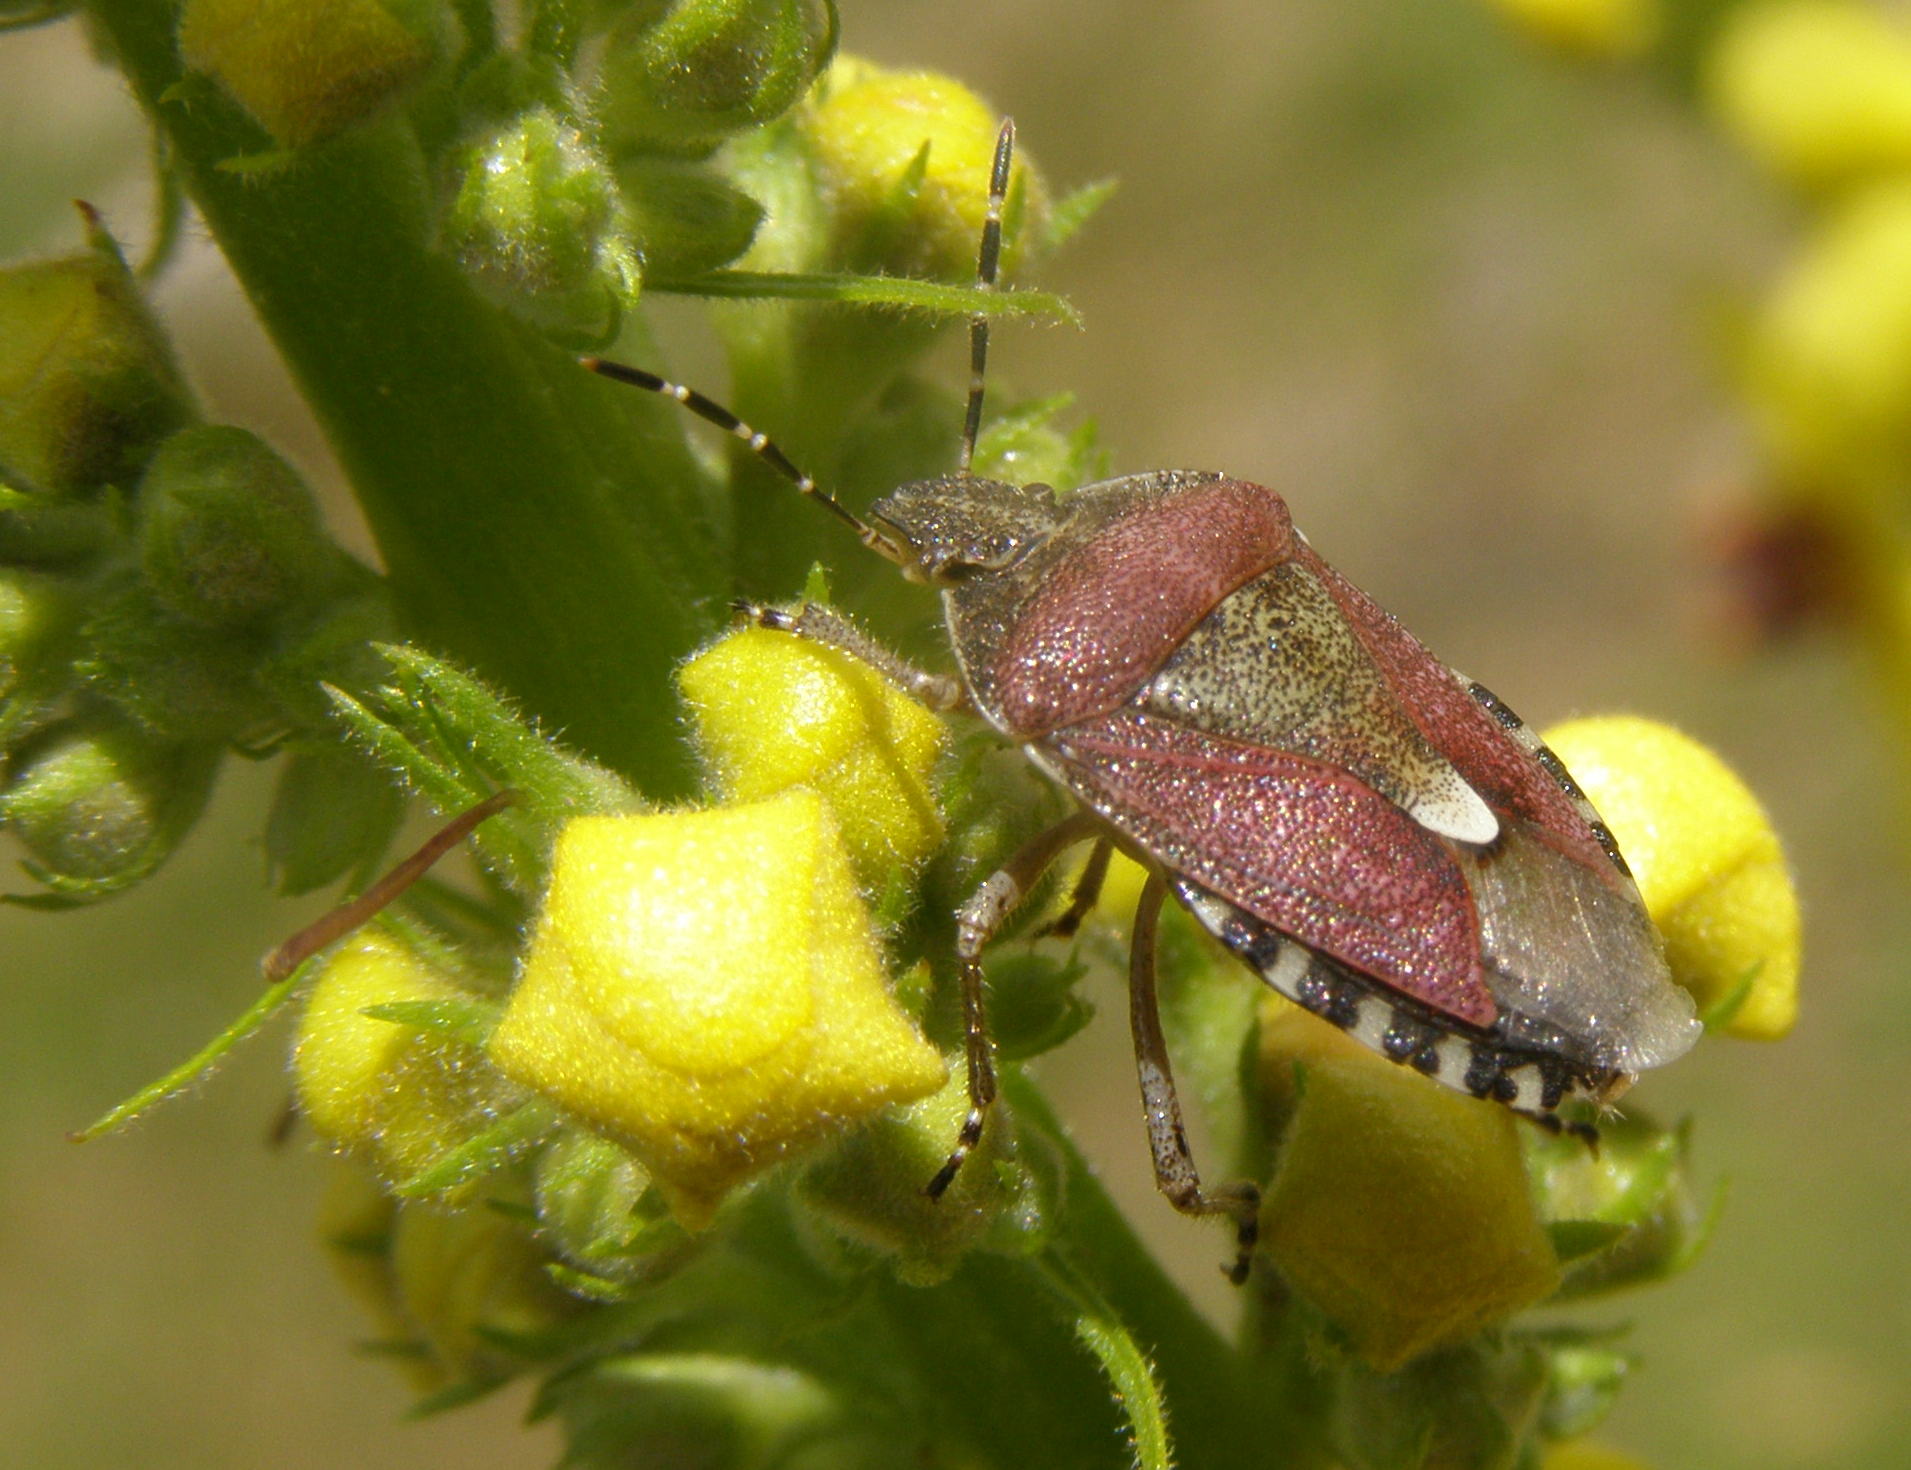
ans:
(1707, 860)
(705, 988)
(865, 134)
(1401, 1210)
(1817, 90)
(1598, 28)
(774, 711)
(398, 1098)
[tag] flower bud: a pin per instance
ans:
(37, 615)
(464, 1279)
(1829, 358)
(87, 384)
(1603, 29)
(1625, 1215)
(355, 1221)
(893, 214)
(686, 218)
(588, 1191)
(228, 532)
(333, 810)
(538, 221)
(707, 69)
(180, 680)
(1399, 1209)
(870, 1188)
(1817, 90)
(1707, 862)
(396, 1098)
(99, 804)
(704, 988)
(775, 712)
(307, 71)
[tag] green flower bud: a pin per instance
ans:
(333, 811)
(686, 219)
(709, 68)
(869, 1188)
(588, 1190)
(98, 804)
(228, 533)
(87, 384)
(466, 1278)
(37, 615)
(1623, 1216)
(306, 71)
(538, 220)
(180, 680)
(1818, 90)
(905, 159)
(1399, 1209)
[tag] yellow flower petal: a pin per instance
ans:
(705, 988)
(774, 711)
(1707, 861)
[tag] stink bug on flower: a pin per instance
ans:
(1379, 838)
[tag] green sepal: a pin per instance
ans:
(484, 1152)
(468, 1023)
(455, 741)
(332, 813)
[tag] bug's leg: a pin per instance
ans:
(1087, 893)
(331, 927)
(831, 629)
(1175, 1173)
(977, 921)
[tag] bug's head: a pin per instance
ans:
(959, 524)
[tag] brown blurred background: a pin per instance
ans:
(1464, 306)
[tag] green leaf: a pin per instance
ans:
(935, 297)
(1130, 1373)
(1072, 211)
(201, 1062)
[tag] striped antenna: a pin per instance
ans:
(760, 445)
(987, 260)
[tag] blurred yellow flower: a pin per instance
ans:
(1600, 28)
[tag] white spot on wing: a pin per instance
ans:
(1454, 809)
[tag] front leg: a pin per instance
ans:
(977, 922)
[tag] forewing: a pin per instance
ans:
(1303, 845)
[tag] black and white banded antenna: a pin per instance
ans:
(988, 261)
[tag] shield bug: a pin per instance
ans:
(1379, 838)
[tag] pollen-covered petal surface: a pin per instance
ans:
(705, 988)
(1707, 861)
(775, 712)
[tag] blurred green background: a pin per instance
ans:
(1469, 308)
